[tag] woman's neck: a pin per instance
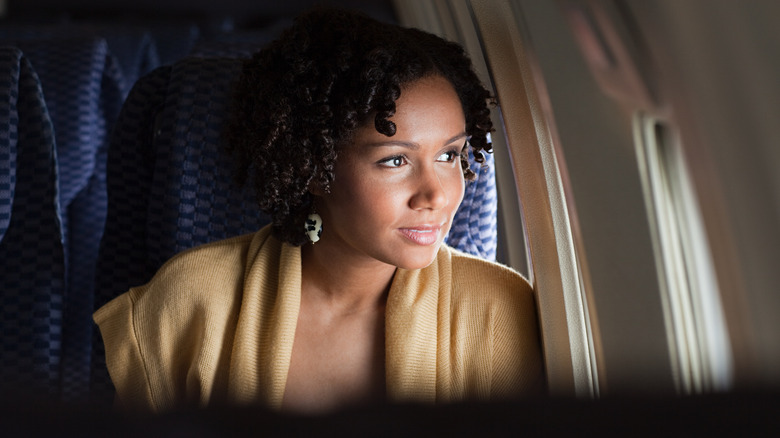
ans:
(346, 284)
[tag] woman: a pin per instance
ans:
(354, 135)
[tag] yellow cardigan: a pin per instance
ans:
(216, 325)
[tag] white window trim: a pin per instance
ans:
(695, 323)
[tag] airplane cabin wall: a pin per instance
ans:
(718, 63)
(708, 68)
(595, 142)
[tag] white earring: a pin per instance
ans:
(313, 227)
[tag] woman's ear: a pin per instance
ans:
(316, 188)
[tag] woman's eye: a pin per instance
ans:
(448, 156)
(396, 161)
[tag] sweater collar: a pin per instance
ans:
(272, 297)
(416, 339)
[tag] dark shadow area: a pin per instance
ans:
(735, 414)
(243, 13)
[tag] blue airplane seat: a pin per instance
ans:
(83, 88)
(123, 259)
(170, 184)
(475, 227)
(133, 46)
(32, 271)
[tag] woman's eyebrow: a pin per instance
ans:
(405, 144)
(413, 145)
(457, 137)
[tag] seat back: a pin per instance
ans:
(123, 257)
(194, 198)
(133, 47)
(170, 185)
(83, 88)
(32, 271)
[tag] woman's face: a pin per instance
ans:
(393, 198)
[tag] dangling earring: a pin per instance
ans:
(313, 227)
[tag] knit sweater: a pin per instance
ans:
(216, 325)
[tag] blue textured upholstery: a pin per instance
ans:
(174, 39)
(32, 271)
(193, 198)
(82, 84)
(133, 47)
(170, 186)
(8, 136)
(85, 85)
(124, 260)
(475, 227)
(84, 88)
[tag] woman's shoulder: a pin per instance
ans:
(175, 323)
(209, 274)
(205, 265)
(474, 278)
(207, 261)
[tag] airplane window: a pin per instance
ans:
(693, 314)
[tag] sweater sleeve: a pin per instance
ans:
(123, 354)
(516, 348)
(499, 307)
(169, 342)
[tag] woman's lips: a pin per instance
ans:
(422, 235)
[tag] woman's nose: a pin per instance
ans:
(430, 193)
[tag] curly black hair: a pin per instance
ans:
(301, 97)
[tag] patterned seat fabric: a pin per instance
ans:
(174, 39)
(133, 47)
(84, 88)
(123, 258)
(475, 227)
(194, 199)
(170, 186)
(32, 271)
